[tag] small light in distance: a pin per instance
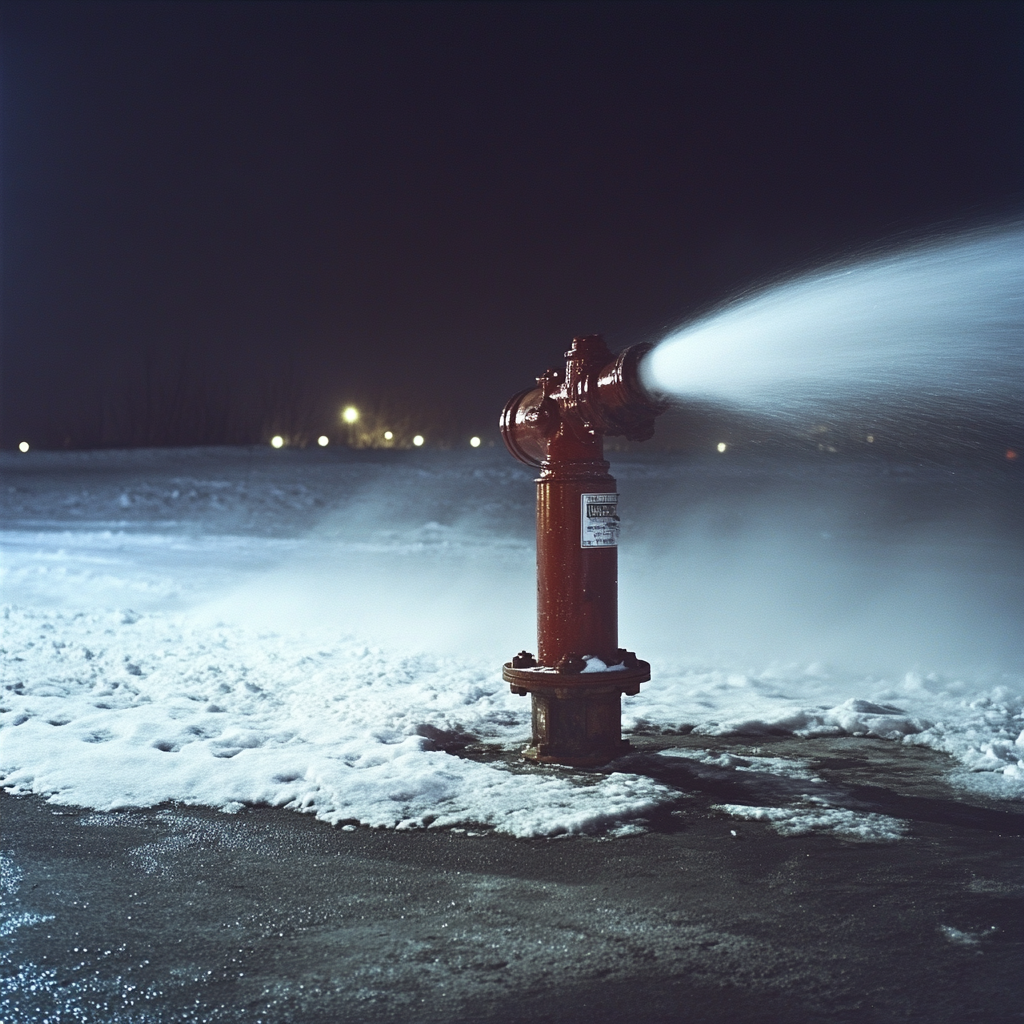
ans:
(323, 441)
(350, 414)
(474, 442)
(388, 436)
(418, 440)
(1010, 453)
(277, 441)
(722, 446)
(871, 438)
(23, 446)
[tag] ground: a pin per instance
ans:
(188, 914)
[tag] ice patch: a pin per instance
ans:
(961, 938)
(787, 767)
(12, 920)
(799, 821)
(627, 828)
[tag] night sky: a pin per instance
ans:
(219, 215)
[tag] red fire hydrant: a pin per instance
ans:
(579, 673)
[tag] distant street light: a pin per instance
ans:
(277, 441)
(474, 442)
(350, 416)
(388, 436)
(722, 446)
(418, 440)
(323, 441)
(23, 446)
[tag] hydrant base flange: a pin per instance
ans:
(529, 680)
(576, 716)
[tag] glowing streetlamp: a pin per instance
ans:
(323, 440)
(23, 446)
(388, 436)
(350, 416)
(418, 440)
(277, 441)
(474, 442)
(722, 446)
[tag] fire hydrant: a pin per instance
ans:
(579, 672)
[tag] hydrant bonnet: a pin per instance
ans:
(597, 394)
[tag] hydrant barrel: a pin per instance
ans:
(577, 586)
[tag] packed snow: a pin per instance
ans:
(324, 631)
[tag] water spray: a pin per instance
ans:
(908, 336)
(579, 673)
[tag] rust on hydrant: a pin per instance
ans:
(579, 672)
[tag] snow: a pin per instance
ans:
(595, 664)
(127, 710)
(799, 821)
(324, 632)
(977, 724)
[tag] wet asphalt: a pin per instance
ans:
(186, 914)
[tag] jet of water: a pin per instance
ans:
(936, 327)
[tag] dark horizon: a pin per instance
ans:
(221, 220)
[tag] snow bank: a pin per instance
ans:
(119, 710)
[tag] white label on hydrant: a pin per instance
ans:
(599, 520)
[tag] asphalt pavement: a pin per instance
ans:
(176, 913)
